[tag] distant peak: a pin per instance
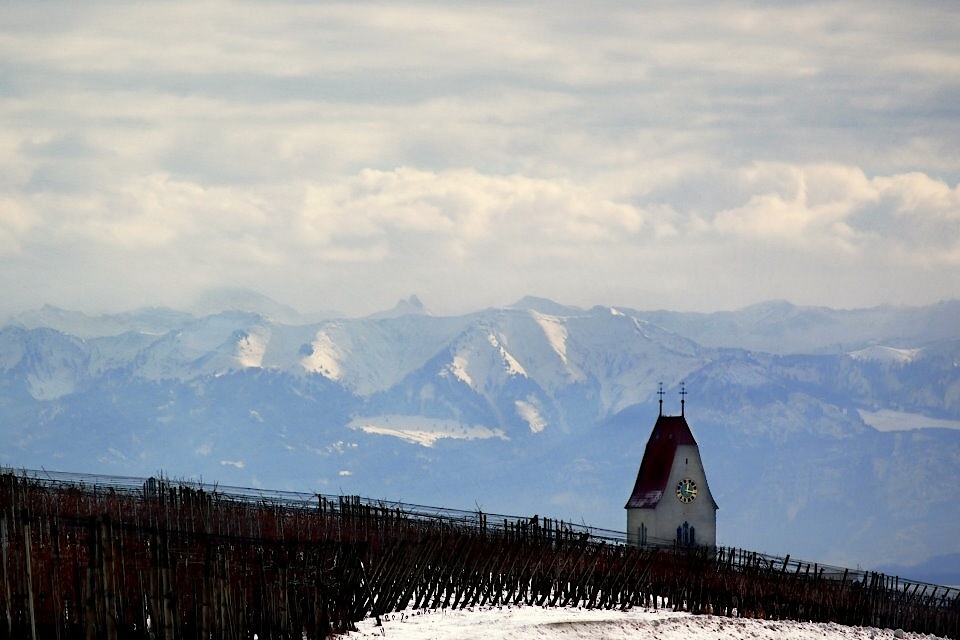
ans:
(768, 306)
(544, 305)
(218, 300)
(412, 306)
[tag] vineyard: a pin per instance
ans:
(107, 557)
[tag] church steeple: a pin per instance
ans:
(671, 502)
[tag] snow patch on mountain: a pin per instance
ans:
(531, 415)
(514, 368)
(324, 358)
(207, 346)
(746, 373)
(459, 369)
(251, 348)
(641, 327)
(886, 355)
(424, 431)
(555, 331)
(890, 420)
(55, 364)
(50, 386)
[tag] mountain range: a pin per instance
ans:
(831, 435)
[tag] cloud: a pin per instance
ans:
(464, 209)
(798, 205)
(15, 221)
(387, 232)
(345, 155)
(830, 207)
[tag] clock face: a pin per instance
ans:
(686, 491)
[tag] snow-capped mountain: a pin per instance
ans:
(829, 435)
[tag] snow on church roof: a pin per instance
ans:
(668, 433)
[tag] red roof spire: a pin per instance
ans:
(669, 433)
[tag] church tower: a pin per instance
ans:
(671, 502)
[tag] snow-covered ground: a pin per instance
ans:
(530, 623)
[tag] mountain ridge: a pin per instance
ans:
(525, 408)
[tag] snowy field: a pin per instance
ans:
(531, 623)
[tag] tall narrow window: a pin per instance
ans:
(643, 535)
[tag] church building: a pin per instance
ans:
(671, 502)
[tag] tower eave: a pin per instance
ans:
(649, 500)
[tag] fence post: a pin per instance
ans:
(5, 543)
(33, 617)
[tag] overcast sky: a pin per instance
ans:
(683, 155)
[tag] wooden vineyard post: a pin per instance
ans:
(26, 544)
(53, 575)
(162, 619)
(206, 587)
(4, 544)
(89, 594)
(107, 578)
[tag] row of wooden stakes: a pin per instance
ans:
(178, 563)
